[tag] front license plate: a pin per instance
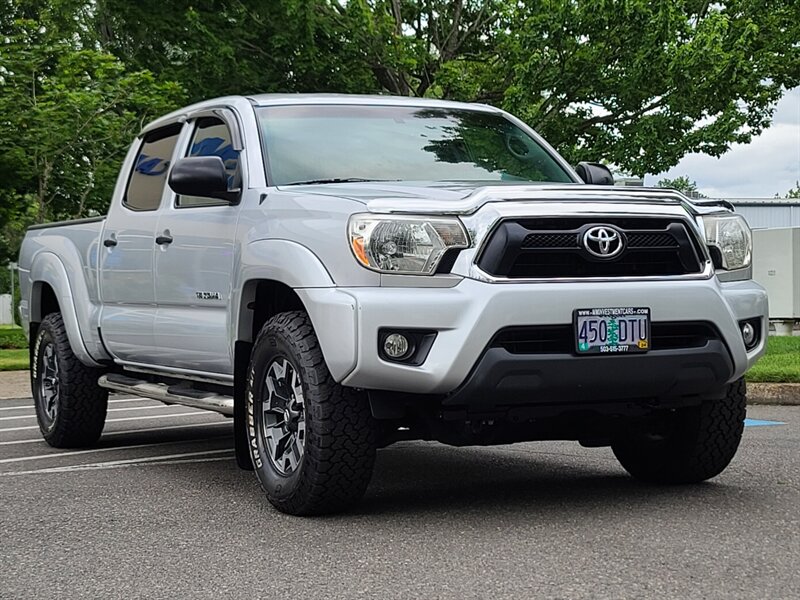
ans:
(612, 330)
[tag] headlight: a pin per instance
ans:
(730, 236)
(397, 244)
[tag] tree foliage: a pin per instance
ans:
(793, 192)
(635, 83)
(683, 184)
(632, 82)
(68, 112)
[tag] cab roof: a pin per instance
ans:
(260, 100)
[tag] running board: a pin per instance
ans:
(168, 394)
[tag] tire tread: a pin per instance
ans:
(82, 403)
(341, 440)
(706, 447)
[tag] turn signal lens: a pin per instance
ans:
(359, 250)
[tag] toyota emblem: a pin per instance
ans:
(603, 241)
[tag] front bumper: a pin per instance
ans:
(501, 379)
(468, 315)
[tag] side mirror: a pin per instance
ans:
(203, 176)
(594, 173)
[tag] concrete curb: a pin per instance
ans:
(15, 385)
(787, 394)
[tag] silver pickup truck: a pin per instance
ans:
(338, 273)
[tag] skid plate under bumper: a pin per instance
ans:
(501, 379)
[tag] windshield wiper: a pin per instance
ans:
(336, 180)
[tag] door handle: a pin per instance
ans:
(163, 239)
(110, 242)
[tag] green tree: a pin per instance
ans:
(683, 184)
(216, 48)
(69, 112)
(635, 83)
(640, 84)
(793, 192)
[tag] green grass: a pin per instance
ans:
(781, 364)
(12, 338)
(13, 360)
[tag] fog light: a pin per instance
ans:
(395, 345)
(748, 334)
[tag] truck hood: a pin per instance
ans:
(463, 198)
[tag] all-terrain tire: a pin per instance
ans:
(74, 415)
(700, 443)
(339, 436)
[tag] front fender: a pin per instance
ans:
(48, 269)
(332, 313)
(282, 260)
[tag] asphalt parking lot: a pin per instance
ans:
(159, 510)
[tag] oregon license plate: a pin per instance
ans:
(612, 330)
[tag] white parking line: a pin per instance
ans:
(159, 405)
(197, 413)
(118, 400)
(126, 431)
(115, 463)
(109, 410)
(30, 403)
(109, 449)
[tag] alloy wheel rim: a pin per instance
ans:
(49, 388)
(284, 418)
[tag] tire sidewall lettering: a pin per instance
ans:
(37, 346)
(255, 454)
(271, 345)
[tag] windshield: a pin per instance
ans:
(324, 143)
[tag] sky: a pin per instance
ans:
(768, 165)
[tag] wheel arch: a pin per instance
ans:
(332, 313)
(277, 275)
(259, 300)
(274, 276)
(51, 292)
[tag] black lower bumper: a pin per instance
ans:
(501, 379)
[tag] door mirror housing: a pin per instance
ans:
(202, 176)
(594, 173)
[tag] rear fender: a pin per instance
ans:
(48, 269)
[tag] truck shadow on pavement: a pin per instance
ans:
(423, 478)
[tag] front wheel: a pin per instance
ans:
(693, 444)
(70, 406)
(312, 440)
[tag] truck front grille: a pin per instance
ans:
(560, 339)
(554, 248)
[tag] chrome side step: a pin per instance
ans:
(168, 394)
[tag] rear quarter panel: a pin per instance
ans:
(65, 258)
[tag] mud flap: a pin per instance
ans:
(241, 362)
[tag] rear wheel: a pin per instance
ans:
(312, 440)
(70, 406)
(695, 444)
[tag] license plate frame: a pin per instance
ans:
(633, 316)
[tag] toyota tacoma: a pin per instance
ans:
(338, 273)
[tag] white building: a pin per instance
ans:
(768, 213)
